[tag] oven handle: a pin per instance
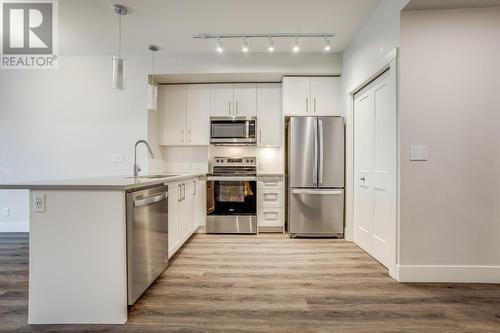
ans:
(233, 178)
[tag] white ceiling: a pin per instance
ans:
(90, 27)
(449, 4)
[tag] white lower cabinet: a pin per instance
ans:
(184, 208)
(270, 204)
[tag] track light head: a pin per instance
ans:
(327, 44)
(296, 46)
(219, 48)
(271, 45)
(245, 45)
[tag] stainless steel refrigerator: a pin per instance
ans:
(315, 151)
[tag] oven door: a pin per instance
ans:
(231, 205)
(232, 130)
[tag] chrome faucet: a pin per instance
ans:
(136, 166)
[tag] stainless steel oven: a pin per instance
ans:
(232, 196)
(233, 130)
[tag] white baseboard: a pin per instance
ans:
(459, 274)
(20, 226)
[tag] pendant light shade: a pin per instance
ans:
(118, 61)
(152, 88)
(118, 73)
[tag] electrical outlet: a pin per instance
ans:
(117, 158)
(6, 212)
(38, 202)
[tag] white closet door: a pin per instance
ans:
(198, 114)
(375, 169)
(173, 114)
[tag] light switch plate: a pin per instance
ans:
(419, 153)
(117, 157)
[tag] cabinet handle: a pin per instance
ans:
(229, 108)
(194, 187)
(314, 105)
(307, 105)
(260, 135)
(183, 191)
(236, 107)
(189, 136)
(182, 136)
(179, 191)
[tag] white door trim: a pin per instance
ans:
(392, 64)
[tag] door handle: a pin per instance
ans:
(150, 200)
(319, 192)
(320, 124)
(315, 148)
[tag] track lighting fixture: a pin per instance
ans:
(327, 44)
(270, 37)
(245, 45)
(271, 45)
(219, 48)
(296, 46)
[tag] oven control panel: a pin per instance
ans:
(234, 161)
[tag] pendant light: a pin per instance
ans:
(152, 88)
(118, 62)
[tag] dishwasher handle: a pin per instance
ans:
(150, 200)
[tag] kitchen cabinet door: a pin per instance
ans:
(186, 211)
(325, 96)
(296, 96)
(269, 116)
(222, 99)
(198, 114)
(174, 197)
(245, 99)
(173, 114)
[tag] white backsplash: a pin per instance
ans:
(185, 158)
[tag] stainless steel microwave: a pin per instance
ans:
(233, 130)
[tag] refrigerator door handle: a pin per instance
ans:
(313, 191)
(315, 143)
(320, 175)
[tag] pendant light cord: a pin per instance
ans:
(119, 36)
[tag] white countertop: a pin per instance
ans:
(122, 183)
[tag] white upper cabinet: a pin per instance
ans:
(239, 99)
(296, 95)
(198, 114)
(325, 96)
(222, 99)
(269, 116)
(245, 99)
(173, 114)
(311, 96)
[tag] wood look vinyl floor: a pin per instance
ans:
(270, 283)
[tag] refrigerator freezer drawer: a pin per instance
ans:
(316, 212)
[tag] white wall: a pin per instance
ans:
(368, 52)
(450, 101)
(66, 123)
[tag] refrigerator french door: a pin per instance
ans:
(316, 177)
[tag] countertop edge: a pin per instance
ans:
(97, 187)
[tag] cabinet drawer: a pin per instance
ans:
(270, 217)
(270, 183)
(271, 198)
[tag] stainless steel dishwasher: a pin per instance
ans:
(147, 238)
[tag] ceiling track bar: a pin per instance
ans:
(272, 35)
